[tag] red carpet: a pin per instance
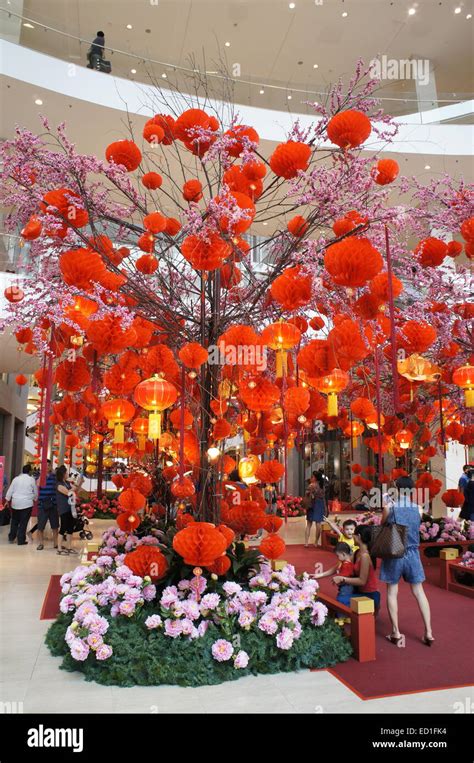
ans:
(51, 601)
(416, 668)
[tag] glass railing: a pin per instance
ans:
(220, 78)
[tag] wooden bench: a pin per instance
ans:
(448, 567)
(362, 615)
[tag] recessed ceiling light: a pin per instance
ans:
(457, 10)
(28, 26)
(427, 166)
(262, 92)
(289, 97)
(292, 5)
(227, 44)
(344, 14)
(469, 16)
(38, 101)
(411, 11)
(164, 75)
(133, 71)
(264, 223)
(129, 26)
(315, 66)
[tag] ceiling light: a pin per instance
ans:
(227, 44)
(264, 223)
(289, 97)
(38, 101)
(291, 6)
(315, 66)
(262, 92)
(28, 26)
(427, 166)
(164, 75)
(129, 26)
(344, 14)
(457, 10)
(412, 11)
(469, 16)
(133, 71)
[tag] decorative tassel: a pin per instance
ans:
(119, 434)
(332, 404)
(154, 426)
(281, 363)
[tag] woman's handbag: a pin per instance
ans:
(389, 540)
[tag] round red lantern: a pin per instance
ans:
(200, 544)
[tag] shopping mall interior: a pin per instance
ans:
(236, 357)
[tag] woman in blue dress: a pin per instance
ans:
(408, 567)
(317, 508)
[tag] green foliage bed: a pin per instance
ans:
(142, 658)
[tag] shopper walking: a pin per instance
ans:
(22, 494)
(317, 508)
(47, 509)
(96, 51)
(404, 512)
(65, 505)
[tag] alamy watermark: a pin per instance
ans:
(417, 69)
(238, 355)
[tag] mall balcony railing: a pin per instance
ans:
(217, 82)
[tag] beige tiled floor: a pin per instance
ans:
(30, 675)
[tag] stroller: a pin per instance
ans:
(80, 525)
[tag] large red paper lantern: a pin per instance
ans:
(200, 544)
(155, 394)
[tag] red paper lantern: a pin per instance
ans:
(131, 500)
(273, 547)
(349, 129)
(147, 560)
(290, 158)
(200, 544)
(124, 152)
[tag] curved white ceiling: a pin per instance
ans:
(80, 83)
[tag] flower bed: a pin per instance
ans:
(101, 508)
(294, 506)
(122, 629)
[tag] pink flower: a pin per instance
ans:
(284, 640)
(210, 601)
(154, 621)
(222, 650)
(104, 652)
(169, 597)
(127, 608)
(241, 659)
(79, 650)
(246, 619)
(94, 640)
(319, 613)
(173, 628)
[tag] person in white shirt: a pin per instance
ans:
(22, 494)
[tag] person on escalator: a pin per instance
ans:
(96, 51)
